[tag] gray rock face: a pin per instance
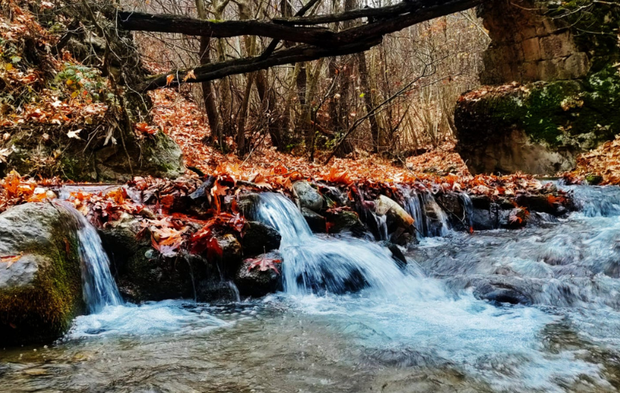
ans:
(308, 196)
(528, 46)
(315, 221)
(41, 287)
(259, 238)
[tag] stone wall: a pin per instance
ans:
(527, 45)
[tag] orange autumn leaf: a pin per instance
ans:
(145, 128)
(167, 201)
(11, 259)
(169, 79)
(117, 195)
(190, 75)
(338, 177)
(263, 264)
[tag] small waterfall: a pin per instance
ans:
(382, 228)
(430, 219)
(317, 265)
(468, 209)
(99, 288)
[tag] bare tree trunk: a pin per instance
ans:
(308, 109)
(250, 48)
(207, 90)
(368, 101)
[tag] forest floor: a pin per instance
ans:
(185, 122)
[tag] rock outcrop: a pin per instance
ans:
(254, 281)
(555, 87)
(40, 286)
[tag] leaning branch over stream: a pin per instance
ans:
(312, 42)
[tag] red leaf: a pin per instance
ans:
(263, 264)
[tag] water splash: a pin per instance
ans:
(430, 219)
(98, 286)
(596, 201)
(413, 319)
(468, 209)
(315, 265)
(151, 318)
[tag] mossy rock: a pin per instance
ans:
(41, 292)
(157, 155)
(538, 128)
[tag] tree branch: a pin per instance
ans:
(219, 70)
(391, 19)
(139, 21)
(328, 43)
(274, 43)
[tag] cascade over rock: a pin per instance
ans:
(40, 292)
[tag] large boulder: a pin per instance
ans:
(537, 128)
(555, 87)
(40, 276)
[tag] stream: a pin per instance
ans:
(531, 310)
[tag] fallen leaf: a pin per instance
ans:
(74, 134)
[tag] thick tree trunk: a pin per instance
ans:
(208, 96)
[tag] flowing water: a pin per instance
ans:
(443, 323)
(99, 288)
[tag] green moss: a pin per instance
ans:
(594, 179)
(561, 113)
(546, 118)
(44, 310)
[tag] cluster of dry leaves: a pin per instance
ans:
(272, 170)
(601, 164)
(22, 75)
